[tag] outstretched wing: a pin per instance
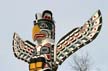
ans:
(22, 49)
(78, 37)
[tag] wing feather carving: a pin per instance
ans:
(22, 49)
(78, 37)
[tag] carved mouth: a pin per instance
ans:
(39, 36)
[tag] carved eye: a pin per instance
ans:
(43, 25)
(44, 50)
(47, 17)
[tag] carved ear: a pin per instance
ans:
(47, 15)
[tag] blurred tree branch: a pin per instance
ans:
(81, 63)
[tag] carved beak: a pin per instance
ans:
(35, 30)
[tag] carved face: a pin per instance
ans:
(43, 51)
(43, 27)
(42, 58)
(43, 30)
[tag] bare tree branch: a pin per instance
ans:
(81, 63)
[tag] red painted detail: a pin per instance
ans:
(64, 58)
(65, 43)
(94, 16)
(77, 35)
(60, 47)
(28, 49)
(39, 36)
(47, 17)
(46, 66)
(48, 56)
(71, 38)
(48, 45)
(94, 28)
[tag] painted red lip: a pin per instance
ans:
(37, 36)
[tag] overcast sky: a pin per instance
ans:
(18, 15)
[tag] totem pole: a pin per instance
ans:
(45, 55)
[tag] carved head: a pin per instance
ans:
(44, 26)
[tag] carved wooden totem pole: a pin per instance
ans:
(44, 55)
